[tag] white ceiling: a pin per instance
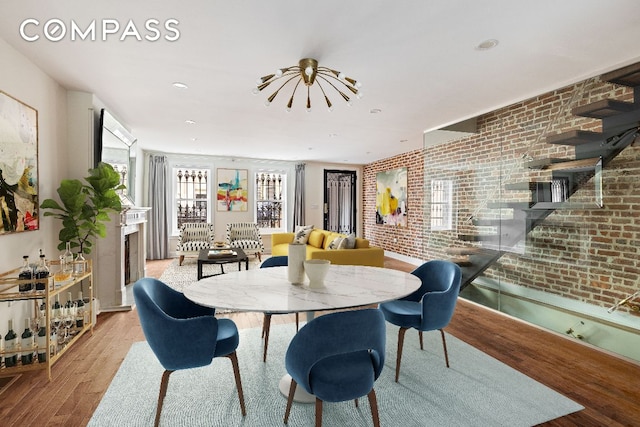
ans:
(416, 59)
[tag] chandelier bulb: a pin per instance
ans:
(358, 85)
(278, 73)
(255, 91)
(308, 109)
(267, 103)
(359, 95)
(341, 76)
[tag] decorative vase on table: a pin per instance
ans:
(316, 270)
(295, 268)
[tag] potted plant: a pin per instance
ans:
(85, 207)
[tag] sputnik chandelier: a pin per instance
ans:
(309, 72)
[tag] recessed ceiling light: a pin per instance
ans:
(487, 44)
(375, 111)
(190, 122)
(180, 85)
(404, 140)
(333, 135)
(194, 139)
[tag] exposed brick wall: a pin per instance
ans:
(591, 255)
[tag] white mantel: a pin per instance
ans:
(109, 264)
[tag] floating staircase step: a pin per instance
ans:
(509, 205)
(604, 108)
(478, 237)
(575, 137)
(496, 222)
(627, 76)
(461, 260)
(581, 165)
(521, 186)
(543, 163)
(464, 250)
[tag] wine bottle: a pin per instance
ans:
(67, 259)
(27, 344)
(42, 272)
(42, 344)
(26, 273)
(56, 308)
(80, 311)
(10, 344)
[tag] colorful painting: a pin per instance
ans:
(233, 190)
(18, 166)
(391, 197)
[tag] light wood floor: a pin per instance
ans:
(607, 386)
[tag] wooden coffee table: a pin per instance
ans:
(203, 258)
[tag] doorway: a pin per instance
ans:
(340, 201)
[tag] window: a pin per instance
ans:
(192, 199)
(441, 204)
(271, 196)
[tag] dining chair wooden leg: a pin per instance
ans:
(292, 391)
(266, 325)
(421, 340)
(318, 412)
(236, 373)
(444, 345)
(373, 402)
(399, 356)
(297, 321)
(163, 392)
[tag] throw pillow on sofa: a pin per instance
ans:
(350, 241)
(336, 243)
(302, 233)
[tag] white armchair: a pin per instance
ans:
(246, 236)
(194, 236)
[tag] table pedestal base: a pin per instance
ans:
(300, 396)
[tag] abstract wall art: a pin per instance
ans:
(18, 166)
(232, 193)
(391, 197)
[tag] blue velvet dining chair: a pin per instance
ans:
(274, 261)
(430, 307)
(338, 357)
(183, 334)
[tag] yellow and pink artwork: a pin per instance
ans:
(391, 197)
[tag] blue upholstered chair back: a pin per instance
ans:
(275, 261)
(343, 333)
(438, 293)
(181, 333)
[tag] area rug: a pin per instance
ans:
(178, 276)
(477, 390)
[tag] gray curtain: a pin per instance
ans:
(158, 228)
(298, 198)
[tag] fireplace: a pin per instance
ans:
(120, 259)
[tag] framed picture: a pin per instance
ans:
(18, 166)
(391, 197)
(232, 191)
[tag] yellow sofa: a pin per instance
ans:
(317, 248)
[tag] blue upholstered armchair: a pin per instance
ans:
(338, 357)
(430, 307)
(274, 261)
(183, 334)
(246, 236)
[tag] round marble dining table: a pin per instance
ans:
(268, 290)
